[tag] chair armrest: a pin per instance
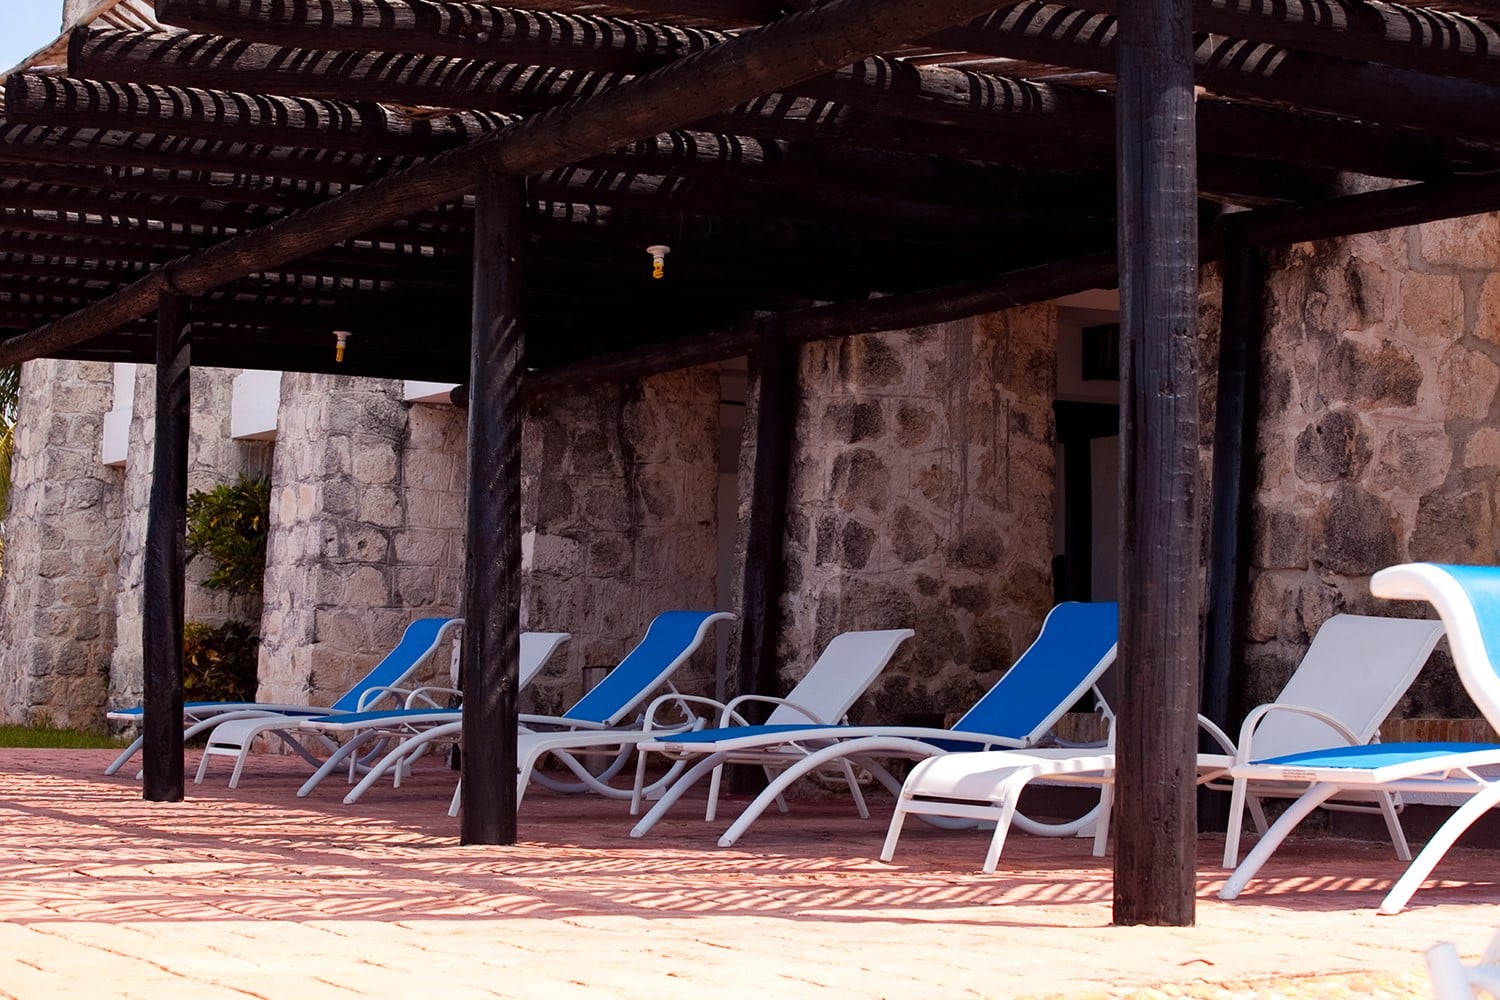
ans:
(680, 700)
(730, 709)
(557, 722)
(374, 694)
(1259, 714)
(425, 695)
(1219, 736)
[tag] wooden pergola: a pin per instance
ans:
(470, 188)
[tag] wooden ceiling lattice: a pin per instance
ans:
(959, 158)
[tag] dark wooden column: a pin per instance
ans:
(1155, 830)
(775, 424)
(166, 527)
(1235, 466)
(492, 566)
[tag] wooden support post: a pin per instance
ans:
(1235, 466)
(166, 528)
(760, 601)
(490, 657)
(1155, 830)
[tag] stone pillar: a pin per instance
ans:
(619, 493)
(366, 530)
(213, 458)
(922, 498)
(1377, 433)
(56, 621)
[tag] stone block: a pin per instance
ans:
(360, 543)
(1455, 529)
(429, 470)
(557, 554)
(381, 506)
(1432, 307)
(1472, 242)
(1367, 375)
(1487, 312)
(609, 556)
(912, 537)
(1413, 460)
(376, 464)
(1332, 447)
(860, 478)
(1467, 381)
(413, 547)
(367, 587)
(1482, 449)
(1357, 532)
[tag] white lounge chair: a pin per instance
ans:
(1352, 675)
(847, 667)
(1076, 645)
(1452, 979)
(600, 722)
(234, 736)
(420, 640)
(1467, 598)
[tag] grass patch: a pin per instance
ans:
(50, 737)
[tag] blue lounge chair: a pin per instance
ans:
(233, 737)
(1354, 672)
(1076, 645)
(598, 721)
(420, 640)
(1467, 599)
(848, 665)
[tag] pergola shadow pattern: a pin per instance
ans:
(232, 888)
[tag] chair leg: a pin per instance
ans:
(1101, 822)
(125, 755)
(852, 780)
(1416, 873)
(715, 785)
(1393, 826)
(675, 791)
(1272, 838)
(1010, 794)
(1236, 823)
(781, 805)
(893, 834)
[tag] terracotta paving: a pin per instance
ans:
(255, 893)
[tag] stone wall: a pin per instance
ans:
(922, 497)
(619, 487)
(213, 458)
(366, 531)
(56, 618)
(1378, 439)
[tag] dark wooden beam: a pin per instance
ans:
(894, 312)
(166, 526)
(1156, 728)
(462, 30)
(779, 55)
(777, 393)
(361, 129)
(940, 99)
(492, 560)
(1421, 38)
(1238, 68)
(1233, 479)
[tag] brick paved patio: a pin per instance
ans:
(255, 893)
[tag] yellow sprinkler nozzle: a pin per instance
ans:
(341, 337)
(658, 254)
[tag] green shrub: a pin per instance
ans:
(229, 525)
(218, 662)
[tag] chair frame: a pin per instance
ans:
(1408, 767)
